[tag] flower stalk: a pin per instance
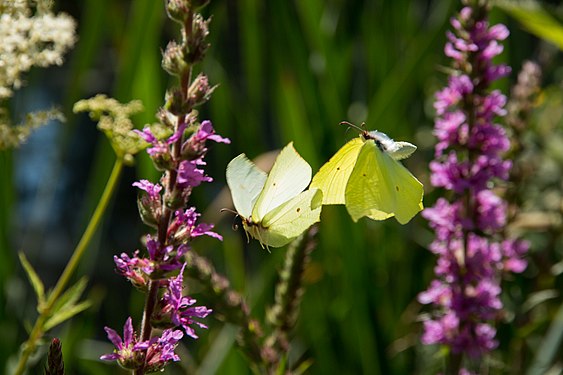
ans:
(177, 147)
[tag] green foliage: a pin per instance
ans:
(34, 279)
(535, 19)
(67, 305)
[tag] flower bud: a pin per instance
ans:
(200, 91)
(174, 199)
(196, 44)
(173, 60)
(149, 210)
(175, 102)
(162, 161)
(178, 10)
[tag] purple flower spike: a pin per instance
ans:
(468, 159)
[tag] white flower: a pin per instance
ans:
(28, 40)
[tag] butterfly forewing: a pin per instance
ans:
(246, 182)
(331, 179)
(289, 176)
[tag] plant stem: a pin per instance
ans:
(45, 310)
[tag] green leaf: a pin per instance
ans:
(66, 313)
(70, 297)
(303, 367)
(33, 278)
(546, 355)
(282, 365)
(535, 19)
(66, 306)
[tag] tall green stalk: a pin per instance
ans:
(46, 309)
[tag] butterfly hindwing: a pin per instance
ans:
(367, 193)
(407, 190)
(380, 187)
(289, 220)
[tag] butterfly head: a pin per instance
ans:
(381, 139)
(397, 150)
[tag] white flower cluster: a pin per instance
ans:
(26, 41)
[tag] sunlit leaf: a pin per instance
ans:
(535, 19)
(66, 313)
(33, 278)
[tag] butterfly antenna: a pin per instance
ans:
(235, 226)
(350, 125)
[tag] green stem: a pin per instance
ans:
(45, 310)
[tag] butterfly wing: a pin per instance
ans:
(366, 193)
(406, 190)
(289, 176)
(287, 221)
(333, 176)
(402, 150)
(246, 182)
(380, 187)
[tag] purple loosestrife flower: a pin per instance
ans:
(195, 146)
(150, 203)
(129, 353)
(160, 147)
(183, 227)
(161, 350)
(136, 270)
(189, 175)
(178, 308)
(468, 159)
(152, 355)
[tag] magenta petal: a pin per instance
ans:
(110, 357)
(114, 337)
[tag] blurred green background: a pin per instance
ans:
(287, 71)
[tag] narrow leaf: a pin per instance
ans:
(33, 278)
(535, 19)
(547, 354)
(70, 297)
(66, 313)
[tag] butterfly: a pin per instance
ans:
(366, 176)
(274, 208)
